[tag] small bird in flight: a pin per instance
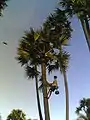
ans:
(5, 43)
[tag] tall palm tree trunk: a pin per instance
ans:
(85, 26)
(37, 93)
(45, 98)
(67, 94)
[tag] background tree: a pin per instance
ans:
(16, 114)
(25, 54)
(80, 8)
(33, 73)
(83, 111)
(3, 4)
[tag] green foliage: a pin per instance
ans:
(83, 111)
(27, 49)
(82, 117)
(61, 61)
(37, 45)
(31, 72)
(16, 114)
(58, 28)
(30, 50)
(79, 7)
(36, 36)
(3, 4)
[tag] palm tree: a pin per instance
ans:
(33, 73)
(25, 54)
(83, 111)
(63, 59)
(80, 8)
(61, 63)
(31, 52)
(59, 31)
(44, 48)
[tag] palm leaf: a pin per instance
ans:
(78, 109)
(58, 28)
(36, 36)
(53, 67)
(82, 117)
(31, 72)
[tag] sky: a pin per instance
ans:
(18, 92)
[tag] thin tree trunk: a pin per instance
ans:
(45, 98)
(85, 26)
(38, 99)
(67, 94)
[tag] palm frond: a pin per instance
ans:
(53, 67)
(82, 117)
(59, 62)
(84, 108)
(78, 109)
(31, 72)
(26, 50)
(79, 7)
(58, 28)
(3, 4)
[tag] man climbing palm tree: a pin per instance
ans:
(53, 86)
